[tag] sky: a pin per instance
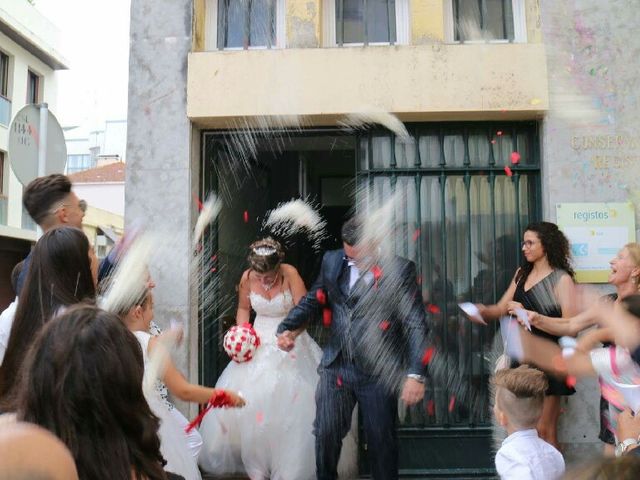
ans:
(95, 41)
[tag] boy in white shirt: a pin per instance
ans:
(519, 395)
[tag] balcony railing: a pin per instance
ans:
(5, 111)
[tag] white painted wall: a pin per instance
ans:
(106, 196)
(20, 62)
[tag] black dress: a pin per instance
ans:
(541, 298)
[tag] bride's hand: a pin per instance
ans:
(236, 400)
(286, 341)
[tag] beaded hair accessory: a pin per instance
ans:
(264, 251)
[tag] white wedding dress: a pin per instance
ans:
(272, 436)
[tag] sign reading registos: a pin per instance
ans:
(596, 232)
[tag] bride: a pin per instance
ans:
(272, 437)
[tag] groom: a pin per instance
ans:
(375, 348)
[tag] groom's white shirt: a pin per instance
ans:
(354, 275)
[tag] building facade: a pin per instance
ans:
(29, 59)
(248, 100)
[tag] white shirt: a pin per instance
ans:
(525, 456)
(6, 321)
(354, 275)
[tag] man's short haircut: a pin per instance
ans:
(15, 275)
(519, 393)
(43, 193)
(351, 230)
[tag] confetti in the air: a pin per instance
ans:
(515, 158)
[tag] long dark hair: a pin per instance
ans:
(59, 275)
(82, 380)
(556, 247)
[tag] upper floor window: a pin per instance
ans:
(366, 22)
(486, 20)
(4, 74)
(33, 88)
(246, 23)
(79, 162)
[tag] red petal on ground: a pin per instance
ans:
(428, 355)
(384, 325)
(508, 171)
(515, 158)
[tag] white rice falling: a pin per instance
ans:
(296, 216)
(386, 119)
(128, 282)
(210, 211)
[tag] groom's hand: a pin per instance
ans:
(412, 392)
(286, 341)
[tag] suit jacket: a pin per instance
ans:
(379, 326)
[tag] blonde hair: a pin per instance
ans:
(634, 252)
(519, 393)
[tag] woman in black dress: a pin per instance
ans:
(543, 284)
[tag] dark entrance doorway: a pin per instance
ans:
(461, 222)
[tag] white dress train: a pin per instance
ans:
(272, 436)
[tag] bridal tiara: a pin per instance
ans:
(264, 251)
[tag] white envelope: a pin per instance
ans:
(472, 312)
(631, 394)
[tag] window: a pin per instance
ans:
(486, 20)
(366, 22)
(77, 163)
(33, 88)
(4, 74)
(246, 24)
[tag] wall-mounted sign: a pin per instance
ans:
(596, 232)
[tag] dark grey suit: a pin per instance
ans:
(377, 336)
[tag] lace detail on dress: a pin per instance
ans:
(277, 307)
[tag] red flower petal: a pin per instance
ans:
(339, 381)
(515, 158)
(384, 325)
(326, 317)
(321, 296)
(431, 408)
(245, 216)
(428, 356)
(493, 142)
(499, 133)
(452, 403)
(259, 417)
(508, 171)
(432, 308)
(571, 381)
(416, 234)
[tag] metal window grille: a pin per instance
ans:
(483, 20)
(365, 21)
(460, 220)
(246, 23)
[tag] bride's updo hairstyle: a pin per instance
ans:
(265, 255)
